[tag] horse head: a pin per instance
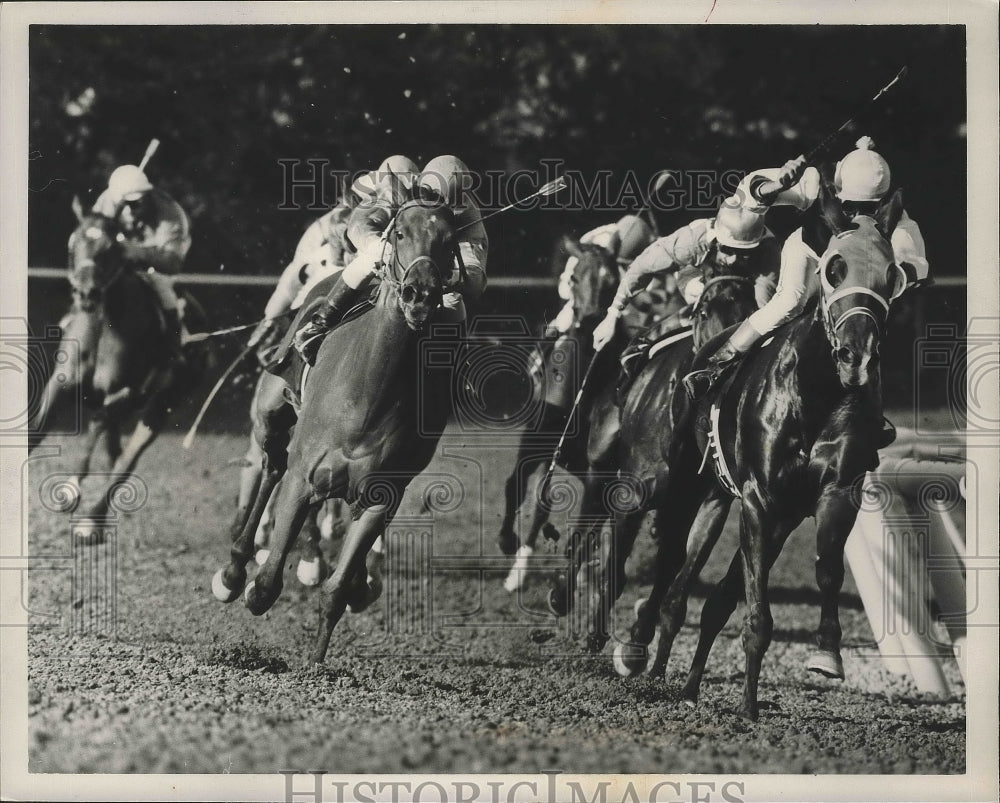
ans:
(726, 299)
(95, 258)
(859, 279)
(425, 258)
(594, 280)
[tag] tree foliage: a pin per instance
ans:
(228, 102)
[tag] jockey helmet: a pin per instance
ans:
(364, 186)
(449, 177)
(635, 234)
(737, 227)
(862, 175)
(398, 165)
(128, 183)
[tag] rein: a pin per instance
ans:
(728, 277)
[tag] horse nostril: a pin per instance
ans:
(409, 294)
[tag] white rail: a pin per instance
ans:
(269, 281)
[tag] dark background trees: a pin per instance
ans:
(228, 103)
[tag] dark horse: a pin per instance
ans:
(369, 422)
(560, 371)
(638, 483)
(115, 346)
(796, 432)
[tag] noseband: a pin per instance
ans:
(831, 296)
(388, 271)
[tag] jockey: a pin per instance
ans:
(735, 239)
(624, 240)
(324, 247)
(861, 181)
(445, 176)
(155, 237)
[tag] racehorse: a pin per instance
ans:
(796, 434)
(115, 345)
(555, 381)
(369, 421)
(634, 480)
(268, 395)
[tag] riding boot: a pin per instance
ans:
(699, 383)
(309, 338)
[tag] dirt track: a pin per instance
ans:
(186, 684)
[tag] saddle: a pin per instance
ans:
(287, 364)
(645, 346)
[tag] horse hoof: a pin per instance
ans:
(690, 702)
(261, 556)
(518, 571)
(221, 591)
(557, 601)
(256, 602)
(629, 659)
(507, 542)
(309, 572)
(89, 532)
(827, 663)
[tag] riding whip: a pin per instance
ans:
(543, 487)
(150, 150)
(189, 438)
(198, 337)
(546, 189)
(829, 140)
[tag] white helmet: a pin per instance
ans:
(128, 183)
(862, 175)
(738, 227)
(401, 166)
(447, 176)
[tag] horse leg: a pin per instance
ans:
(609, 578)
(528, 463)
(704, 534)
(312, 568)
(669, 595)
(835, 517)
(250, 479)
(271, 432)
(582, 530)
(337, 588)
(112, 439)
(291, 509)
(88, 529)
(719, 606)
(51, 395)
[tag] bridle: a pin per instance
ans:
(727, 277)
(389, 268)
(831, 296)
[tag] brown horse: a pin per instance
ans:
(631, 481)
(116, 331)
(369, 421)
(559, 373)
(796, 433)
